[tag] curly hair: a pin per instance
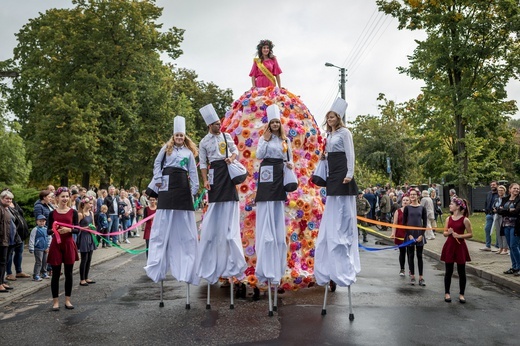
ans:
(265, 43)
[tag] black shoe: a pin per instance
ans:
(332, 285)
(510, 271)
(256, 294)
(365, 240)
(69, 307)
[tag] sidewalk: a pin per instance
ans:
(487, 265)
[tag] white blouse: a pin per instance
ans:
(181, 157)
(341, 141)
(273, 149)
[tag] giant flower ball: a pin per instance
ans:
(246, 122)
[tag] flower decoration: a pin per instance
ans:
(246, 122)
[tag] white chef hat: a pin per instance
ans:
(339, 107)
(209, 114)
(179, 125)
(273, 112)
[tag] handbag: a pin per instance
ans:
(290, 181)
(319, 177)
(237, 172)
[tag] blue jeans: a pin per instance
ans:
(113, 227)
(514, 246)
(14, 254)
(487, 229)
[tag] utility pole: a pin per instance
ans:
(342, 81)
(9, 74)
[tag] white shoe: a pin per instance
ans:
(137, 235)
(127, 241)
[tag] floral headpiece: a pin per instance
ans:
(412, 189)
(265, 43)
(62, 189)
(460, 202)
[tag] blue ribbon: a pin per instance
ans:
(406, 243)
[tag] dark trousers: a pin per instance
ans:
(55, 282)
(402, 257)
(14, 254)
(3, 262)
(84, 265)
(461, 270)
(411, 262)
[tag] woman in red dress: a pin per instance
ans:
(65, 252)
(458, 228)
(149, 210)
(399, 234)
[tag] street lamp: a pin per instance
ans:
(341, 81)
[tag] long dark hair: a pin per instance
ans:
(259, 49)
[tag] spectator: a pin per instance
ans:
(7, 231)
(15, 251)
(39, 243)
(427, 203)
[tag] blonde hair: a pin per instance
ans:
(327, 127)
(187, 142)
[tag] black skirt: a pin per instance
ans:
(270, 181)
(178, 193)
(222, 189)
(337, 172)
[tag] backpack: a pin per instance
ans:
(21, 225)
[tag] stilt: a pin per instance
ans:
(188, 297)
(350, 312)
(161, 304)
(208, 305)
(232, 305)
(324, 309)
(269, 297)
(275, 301)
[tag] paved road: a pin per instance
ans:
(123, 308)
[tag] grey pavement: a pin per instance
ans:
(486, 265)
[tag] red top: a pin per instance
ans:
(399, 233)
(148, 226)
(261, 81)
(455, 250)
(66, 252)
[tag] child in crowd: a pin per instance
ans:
(102, 223)
(39, 243)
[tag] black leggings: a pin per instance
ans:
(461, 270)
(55, 281)
(411, 264)
(3, 262)
(84, 265)
(402, 257)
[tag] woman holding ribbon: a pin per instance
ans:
(455, 250)
(271, 247)
(415, 215)
(265, 71)
(173, 239)
(63, 249)
(398, 234)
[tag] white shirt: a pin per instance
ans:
(212, 148)
(181, 157)
(341, 141)
(273, 149)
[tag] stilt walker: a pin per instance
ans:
(271, 248)
(337, 254)
(174, 240)
(220, 249)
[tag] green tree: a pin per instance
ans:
(470, 53)
(93, 75)
(387, 135)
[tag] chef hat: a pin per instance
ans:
(209, 114)
(339, 107)
(179, 125)
(273, 112)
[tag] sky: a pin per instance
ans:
(221, 36)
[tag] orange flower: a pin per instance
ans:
(294, 274)
(241, 146)
(252, 280)
(246, 154)
(246, 133)
(253, 261)
(310, 262)
(243, 188)
(297, 143)
(245, 243)
(306, 207)
(303, 242)
(311, 166)
(247, 223)
(286, 112)
(299, 203)
(245, 123)
(315, 159)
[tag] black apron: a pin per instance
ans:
(178, 195)
(222, 189)
(273, 189)
(337, 172)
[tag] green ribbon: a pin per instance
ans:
(132, 252)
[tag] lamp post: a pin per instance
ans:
(342, 72)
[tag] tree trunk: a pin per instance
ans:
(85, 180)
(64, 180)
